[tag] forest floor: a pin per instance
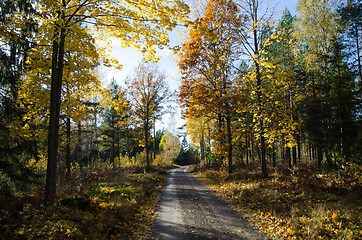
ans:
(92, 204)
(293, 204)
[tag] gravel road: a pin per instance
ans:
(189, 210)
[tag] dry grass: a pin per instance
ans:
(294, 204)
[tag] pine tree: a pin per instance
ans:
(14, 150)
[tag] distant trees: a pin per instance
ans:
(111, 131)
(147, 91)
(170, 147)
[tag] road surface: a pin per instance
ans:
(188, 210)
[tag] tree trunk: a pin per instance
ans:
(273, 156)
(299, 146)
(79, 146)
(118, 149)
(55, 102)
(247, 148)
(146, 144)
(96, 132)
(113, 135)
(287, 156)
(67, 159)
(113, 149)
(154, 139)
(230, 145)
(202, 147)
(359, 59)
(264, 169)
(252, 156)
(319, 158)
(294, 150)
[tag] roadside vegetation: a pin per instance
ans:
(299, 203)
(93, 203)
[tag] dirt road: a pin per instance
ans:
(188, 210)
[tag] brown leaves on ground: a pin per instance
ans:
(294, 204)
(93, 204)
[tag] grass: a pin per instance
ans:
(294, 204)
(93, 204)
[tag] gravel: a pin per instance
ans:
(189, 210)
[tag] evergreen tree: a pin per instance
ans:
(14, 151)
(111, 133)
(342, 100)
(351, 16)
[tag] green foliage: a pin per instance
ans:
(113, 137)
(15, 151)
(188, 155)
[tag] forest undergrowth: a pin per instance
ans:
(299, 203)
(92, 204)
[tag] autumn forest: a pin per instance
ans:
(271, 104)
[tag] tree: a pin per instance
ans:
(316, 28)
(254, 39)
(15, 150)
(188, 155)
(146, 91)
(170, 147)
(285, 89)
(113, 116)
(199, 130)
(351, 16)
(342, 98)
(207, 64)
(142, 24)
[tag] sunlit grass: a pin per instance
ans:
(297, 204)
(103, 204)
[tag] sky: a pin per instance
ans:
(130, 58)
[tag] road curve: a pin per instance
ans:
(189, 210)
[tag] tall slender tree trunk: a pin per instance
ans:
(55, 102)
(96, 132)
(359, 59)
(67, 158)
(154, 138)
(287, 156)
(202, 147)
(247, 148)
(273, 156)
(146, 138)
(252, 156)
(79, 148)
(113, 149)
(113, 141)
(230, 144)
(294, 151)
(319, 158)
(299, 146)
(264, 169)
